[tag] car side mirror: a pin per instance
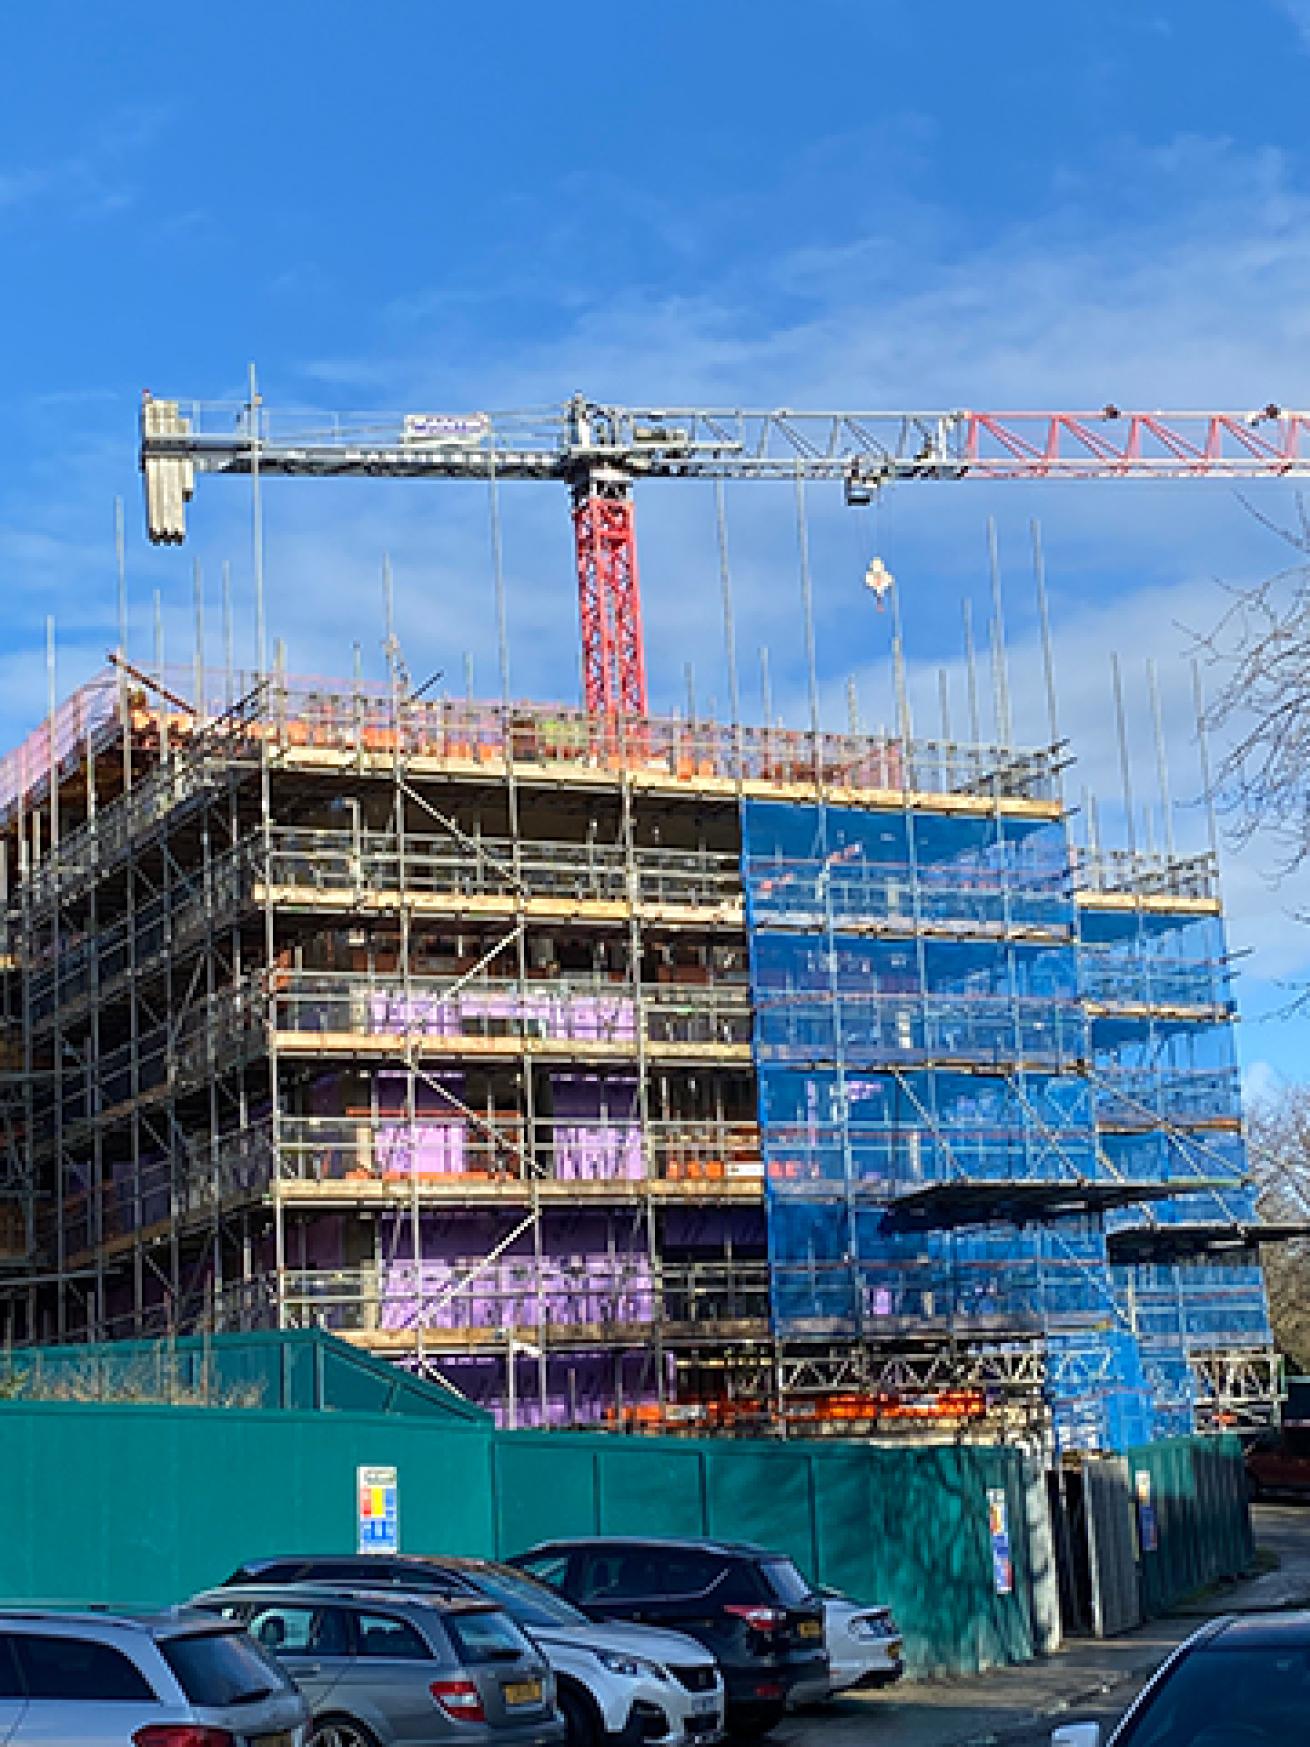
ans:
(1077, 1735)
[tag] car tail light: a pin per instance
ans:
(459, 1699)
(759, 1619)
(182, 1735)
(770, 1689)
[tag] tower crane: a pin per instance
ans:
(600, 452)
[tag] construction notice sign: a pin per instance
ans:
(379, 1511)
(998, 1523)
(1147, 1526)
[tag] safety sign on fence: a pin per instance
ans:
(1147, 1527)
(998, 1523)
(379, 1510)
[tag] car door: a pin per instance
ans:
(387, 1682)
(81, 1690)
(687, 1599)
(311, 1642)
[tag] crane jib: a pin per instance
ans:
(601, 451)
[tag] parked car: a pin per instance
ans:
(750, 1608)
(616, 1683)
(399, 1670)
(864, 1648)
(1233, 1682)
(1278, 1462)
(159, 1680)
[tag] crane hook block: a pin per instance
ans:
(879, 581)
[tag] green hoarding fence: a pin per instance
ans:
(292, 1369)
(1193, 1518)
(909, 1528)
(143, 1504)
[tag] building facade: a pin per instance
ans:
(646, 1074)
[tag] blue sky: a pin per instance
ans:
(740, 201)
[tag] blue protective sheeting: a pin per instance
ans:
(931, 1010)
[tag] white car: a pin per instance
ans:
(633, 1683)
(864, 1648)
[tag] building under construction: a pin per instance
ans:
(621, 1071)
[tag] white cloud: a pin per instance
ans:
(96, 180)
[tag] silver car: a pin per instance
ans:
(616, 1682)
(382, 1669)
(157, 1680)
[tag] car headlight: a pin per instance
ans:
(630, 1667)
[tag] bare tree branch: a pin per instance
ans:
(1278, 1147)
(1259, 652)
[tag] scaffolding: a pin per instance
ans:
(1158, 981)
(623, 1071)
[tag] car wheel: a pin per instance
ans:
(339, 1732)
(582, 1727)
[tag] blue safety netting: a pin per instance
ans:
(1154, 957)
(1168, 1102)
(908, 1039)
(930, 1012)
(1098, 1388)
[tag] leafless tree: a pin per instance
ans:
(1259, 662)
(1278, 1135)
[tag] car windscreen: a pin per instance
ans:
(222, 1668)
(526, 1602)
(1215, 1697)
(488, 1637)
(786, 1582)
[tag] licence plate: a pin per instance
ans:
(523, 1692)
(811, 1629)
(704, 1707)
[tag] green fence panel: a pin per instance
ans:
(930, 1526)
(650, 1489)
(294, 1369)
(761, 1494)
(545, 1487)
(847, 1553)
(1013, 1632)
(144, 1505)
(1202, 1517)
(933, 1558)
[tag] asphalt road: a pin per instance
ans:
(1018, 1707)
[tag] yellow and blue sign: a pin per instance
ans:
(379, 1510)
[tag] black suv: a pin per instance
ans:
(751, 1608)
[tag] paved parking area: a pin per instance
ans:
(1018, 1707)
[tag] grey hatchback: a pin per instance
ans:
(386, 1670)
(102, 1679)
